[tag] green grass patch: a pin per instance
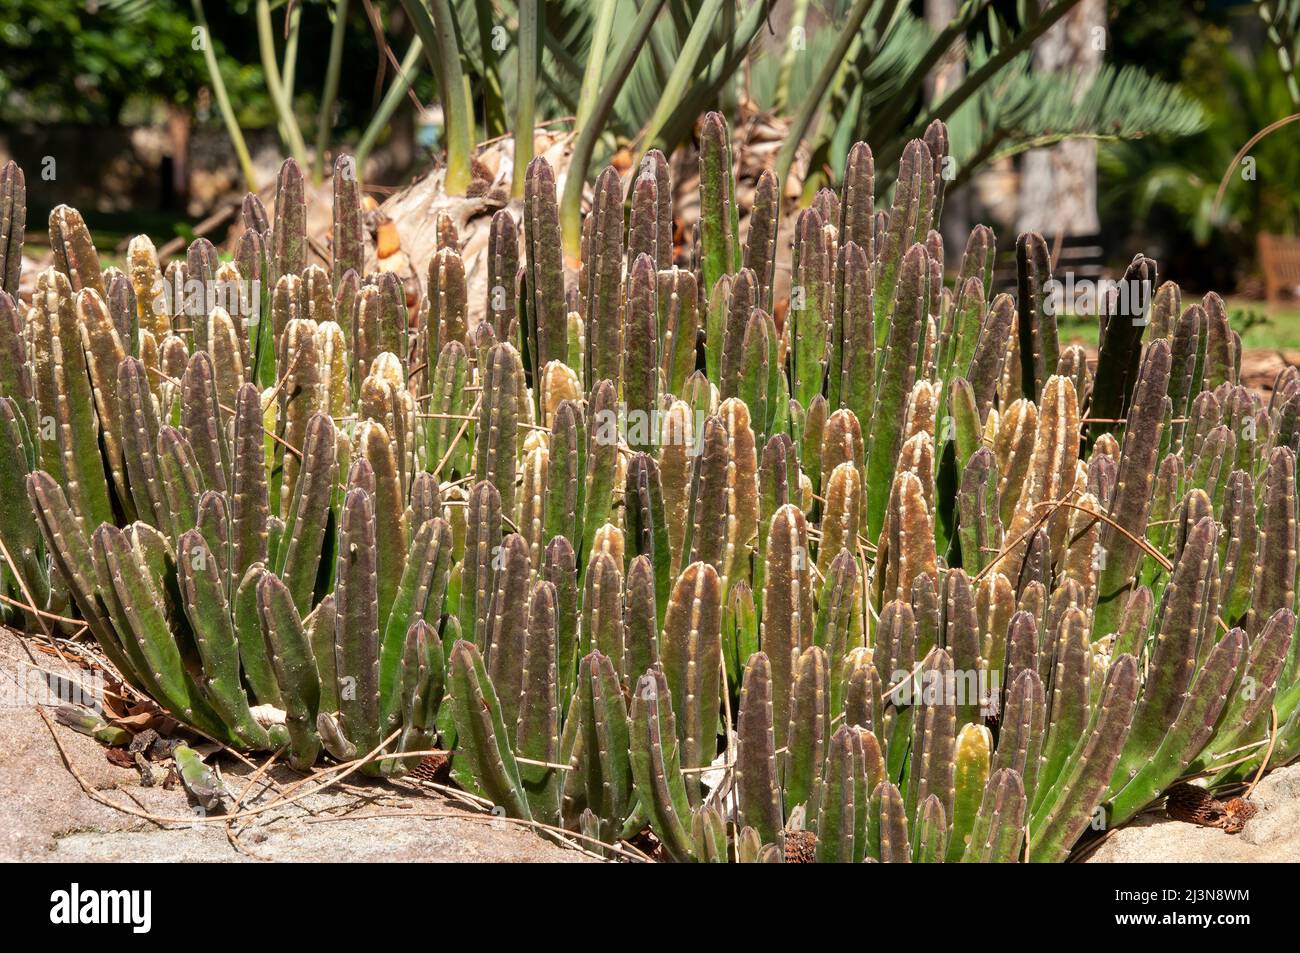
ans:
(1261, 327)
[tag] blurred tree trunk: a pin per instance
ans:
(178, 136)
(1058, 185)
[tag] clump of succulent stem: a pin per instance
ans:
(630, 545)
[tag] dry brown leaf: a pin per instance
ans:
(386, 241)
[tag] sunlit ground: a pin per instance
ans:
(1261, 327)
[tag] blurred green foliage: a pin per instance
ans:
(113, 61)
(1167, 196)
(1158, 35)
(85, 62)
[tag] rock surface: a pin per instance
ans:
(46, 815)
(1271, 836)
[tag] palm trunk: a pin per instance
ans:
(1058, 186)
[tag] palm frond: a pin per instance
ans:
(1282, 22)
(1023, 109)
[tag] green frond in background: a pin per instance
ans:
(1282, 21)
(1021, 110)
(619, 74)
(878, 93)
(1243, 95)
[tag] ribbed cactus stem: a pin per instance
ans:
(720, 251)
(13, 224)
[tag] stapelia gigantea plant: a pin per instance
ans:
(896, 578)
(222, 480)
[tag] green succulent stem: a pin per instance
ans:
(595, 68)
(280, 87)
(435, 23)
(587, 135)
(683, 70)
(531, 26)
